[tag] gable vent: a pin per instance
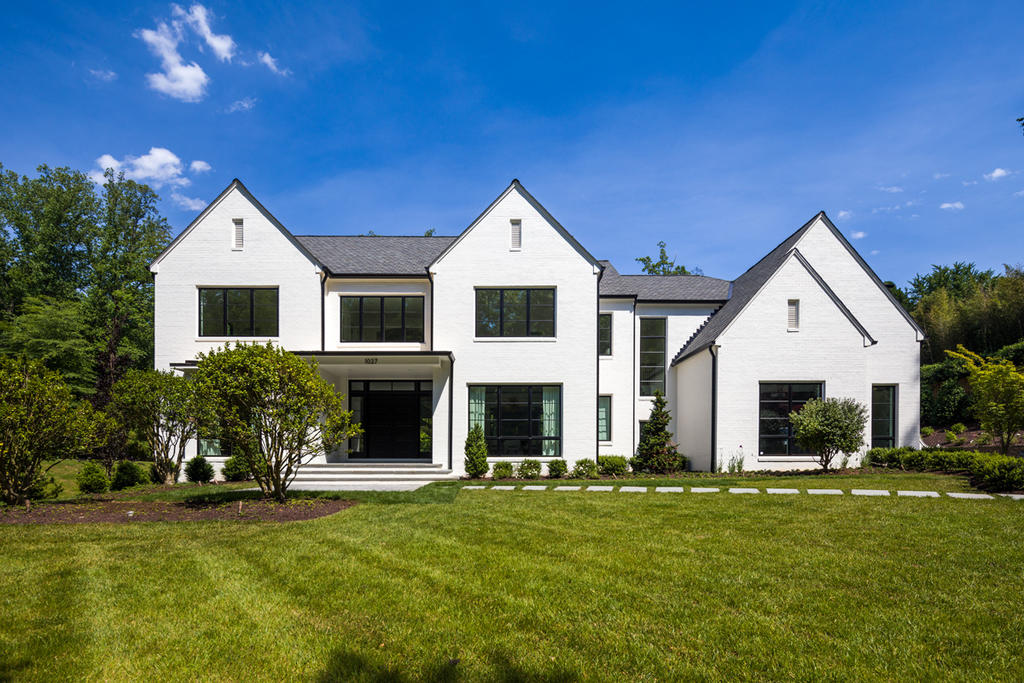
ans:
(793, 318)
(516, 236)
(239, 235)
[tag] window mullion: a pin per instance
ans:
(252, 312)
(224, 308)
(501, 320)
(528, 330)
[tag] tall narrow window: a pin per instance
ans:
(604, 334)
(516, 235)
(883, 416)
(604, 418)
(793, 315)
(238, 238)
(652, 356)
(776, 401)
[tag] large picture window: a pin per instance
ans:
(604, 418)
(382, 319)
(883, 416)
(518, 419)
(652, 356)
(238, 312)
(515, 312)
(604, 334)
(777, 401)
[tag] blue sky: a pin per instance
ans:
(719, 128)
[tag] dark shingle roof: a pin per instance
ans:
(697, 288)
(374, 255)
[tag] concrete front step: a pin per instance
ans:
(336, 473)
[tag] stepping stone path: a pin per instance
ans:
(972, 496)
(1013, 496)
(736, 490)
(600, 488)
(503, 488)
(633, 489)
(869, 492)
(567, 488)
(918, 494)
(535, 488)
(783, 491)
(669, 489)
(825, 492)
(711, 489)
(701, 489)
(472, 488)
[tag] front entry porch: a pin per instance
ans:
(396, 417)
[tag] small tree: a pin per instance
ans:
(830, 426)
(997, 388)
(656, 451)
(274, 408)
(162, 407)
(40, 420)
(476, 453)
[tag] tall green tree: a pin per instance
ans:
(997, 388)
(664, 265)
(56, 333)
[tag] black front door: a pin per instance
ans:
(395, 417)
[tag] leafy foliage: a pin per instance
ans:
(40, 420)
(987, 470)
(664, 265)
(199, 470)
(657, 453)
(997, 388)
(584, 469)
(274, 408)
(557, 468)
(54, 332)
(829, 427)
(501, 470)
(235, 469)
(126, 475)
(612, 465)
(476, 453)
(528, 469)
(92, 479)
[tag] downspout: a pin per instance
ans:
(430, 276)
(323, 293)
(597, 365)
(636, 387)
(713, 350)
(451, 402)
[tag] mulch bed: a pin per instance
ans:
(133, 512)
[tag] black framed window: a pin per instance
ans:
(515, 312)
(382, 319)
(883, 416)
(652, 356)
(604, 334)
(604, 418)
(213, 448)
(518, 419)
(777, 400)
(238, 312)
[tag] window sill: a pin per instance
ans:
(514, 339)
(608, 357)
(247, 340)
(792, 329)
(786, 458)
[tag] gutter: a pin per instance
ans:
(713, 350)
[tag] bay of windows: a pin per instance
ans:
(382, 319)
(518, 419)
(515, 312)
(238, 312)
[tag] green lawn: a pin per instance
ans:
(443, 584)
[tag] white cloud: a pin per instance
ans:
(952, 206)
(158, 167)
(858, 234)
(105, 75)
(968, 183)
(1019, 194)
(875, 252)
(886, 209)
(244, 104)
(890, 188)
(844, 214)
(188, 202)
(199, 166)
(186, 82)
(198, 19)
(940, 176)
(271, 64)
(996, 174)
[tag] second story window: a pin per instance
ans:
(238, 235)
(793, 314)
(652, 356)
(382, 319)
(237, 312)
(515, 312)
(604, 334)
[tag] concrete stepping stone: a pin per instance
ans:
(970, 496)
(703, 489)
(567, 488)
(742, 490)
(869, 492)
(1013, 496)
(669, 489)
(473, 488)
(503, 488)
(824, 492)
(633, 489)
(918, 494)
(535, 487)
(600, 488)
(783, 491)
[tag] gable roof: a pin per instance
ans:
(516, 185)
(354, 255)
(678, 288)
(747, 285)
(235, 184)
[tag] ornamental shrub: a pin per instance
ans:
(501, 470)
(127, 474)
(557, 468)
(612, 465)
(584, 469)
(92, 478)
(235, 469)
(528, 469)
(958, 428)
(927, 431)
(199, 470)
(476, 453)
(997, 388)
(829, 427)
(990, 471)
(656, 451)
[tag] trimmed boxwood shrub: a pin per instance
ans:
(235, 469)
(584, 469)
(501, 470)
(92, 479)
(528, 469)
(127, 474)
(198, 469)
(612, 465)
(990, 471)
(557, 468)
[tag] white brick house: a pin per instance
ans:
(515, 325)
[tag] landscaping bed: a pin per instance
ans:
(135, 511)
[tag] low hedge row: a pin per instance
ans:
(990, 471)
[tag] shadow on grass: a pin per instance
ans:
(348, 665)
(438, 493)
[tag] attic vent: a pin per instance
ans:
(794, 315)
(516, 236)
(239, 235)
